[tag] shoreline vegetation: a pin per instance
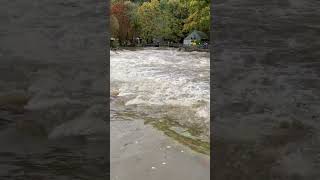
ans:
(182, 48)
(183, 24)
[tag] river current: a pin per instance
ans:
(161, 83)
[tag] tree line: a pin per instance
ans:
(170, 20)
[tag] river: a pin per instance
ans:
(160, 104)
(158, 83)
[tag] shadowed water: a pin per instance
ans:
(49, 129)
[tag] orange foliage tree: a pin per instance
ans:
(120, 11)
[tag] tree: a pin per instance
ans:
(149, 20)
(173, 15)
(199, 15)
(161, 19)
(119, 10)
(132, 13)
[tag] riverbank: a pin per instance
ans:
(182, 48)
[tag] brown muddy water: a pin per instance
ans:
(160, 114)
(162, 85)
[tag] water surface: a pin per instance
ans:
(162, 85)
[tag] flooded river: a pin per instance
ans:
(162, 84)
(159, 115)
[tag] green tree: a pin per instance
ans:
(172, 16)
(166, 19)
(132, 13)
(162, 19)
(149, 20)
(199, 15)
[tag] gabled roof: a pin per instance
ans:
(196, 35)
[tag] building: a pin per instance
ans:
(195, 36)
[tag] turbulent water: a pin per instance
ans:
(161, 83)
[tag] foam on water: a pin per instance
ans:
(162, 77)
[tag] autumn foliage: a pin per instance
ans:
(119, 10)
(169, 20)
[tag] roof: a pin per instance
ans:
(196, 35)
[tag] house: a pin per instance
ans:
(195, 36)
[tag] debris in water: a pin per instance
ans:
(182, 151)
(137, 142)
(153, 167)
(164, 163)
(168, 147)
